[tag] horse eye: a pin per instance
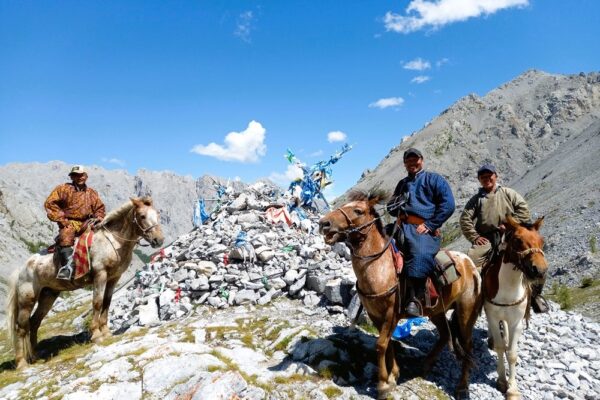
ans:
(143, 217)
(358, 211)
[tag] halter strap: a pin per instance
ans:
(377, 295)
(522, 299)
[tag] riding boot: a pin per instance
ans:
(66, 261)
(417, 294)
(538, 302)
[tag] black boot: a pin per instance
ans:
(417, 291)
(538, 302)
(66, 257)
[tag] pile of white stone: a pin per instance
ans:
(240, 257)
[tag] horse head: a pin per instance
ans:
(353, 218)
(147, 221)
(525, 245)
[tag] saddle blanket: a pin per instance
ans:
(81, 255)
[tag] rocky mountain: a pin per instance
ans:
(24, 226)
(542, 132)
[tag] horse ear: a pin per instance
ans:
(538, 223)
(511, 222)
(136, 202)
(147, 201)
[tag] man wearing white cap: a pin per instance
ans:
(71, 205)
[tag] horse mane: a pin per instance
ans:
(118, 213)
(373, 197)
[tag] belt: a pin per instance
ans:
(410, 219)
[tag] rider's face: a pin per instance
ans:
(79, 179)
(413, 164)
(488, 181)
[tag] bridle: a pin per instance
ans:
(139, 226)
(518, 265)
(359, 229)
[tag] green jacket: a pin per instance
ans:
(484, 212)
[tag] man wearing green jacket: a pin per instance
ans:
(481, 222)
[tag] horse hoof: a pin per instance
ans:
(22, 364)
(392, 381)
(97, 338)
(383, 390)
(513, 394)
(501, 385)
(462, 394)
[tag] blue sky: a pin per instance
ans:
(140, 84)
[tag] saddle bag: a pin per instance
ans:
(445, 271)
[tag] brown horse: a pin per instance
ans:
(110, 253)
(506, 291)
(379, 289)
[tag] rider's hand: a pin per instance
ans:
(481, 241)
(421, 229)
(502, 228)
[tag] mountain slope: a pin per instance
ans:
(542, 132)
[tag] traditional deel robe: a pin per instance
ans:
(430, 198)
(483, 214)
(70, 208)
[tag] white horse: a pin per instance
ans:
(110, 254)
(506, 288)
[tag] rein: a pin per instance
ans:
(371, 257)
(138, 240)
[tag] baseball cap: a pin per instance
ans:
(486, 168)
(412, 152)
(78, 169)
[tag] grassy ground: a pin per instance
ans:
(583, 299)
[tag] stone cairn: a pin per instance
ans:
(240, 257)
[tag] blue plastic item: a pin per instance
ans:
(403, 330)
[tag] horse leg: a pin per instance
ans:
(441, 324)
(22, 342)
(383, 341)
(466, 314)
(392, 365)
(499, 348)
(97, 302)
(46, 300)
(110, 287)
(513, 391)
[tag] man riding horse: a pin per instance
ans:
(73, 206)
(482, 222)
(428, 203)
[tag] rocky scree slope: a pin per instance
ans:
(542, 132)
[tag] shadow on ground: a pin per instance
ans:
(346, 359)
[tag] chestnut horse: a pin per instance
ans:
(506, 291)
(110, 254)
(379, 289)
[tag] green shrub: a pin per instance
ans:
(593, 244)
(34, 247)
(586, 282)
(563, 296)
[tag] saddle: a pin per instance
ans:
(445, 273)
(81, 257)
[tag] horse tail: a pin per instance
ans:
(12, 308)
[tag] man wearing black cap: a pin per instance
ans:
(71, 205)
(428, 204)
(481, 222)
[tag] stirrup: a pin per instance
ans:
(414, 308)
(65, 272)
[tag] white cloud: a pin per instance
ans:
(244, 26)
(441, 62)
(421, 14)
(420, 79)
(336, 136)
(387, 102)
(293, 172)
(113, 161)
(418, 64)
(246, 146)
